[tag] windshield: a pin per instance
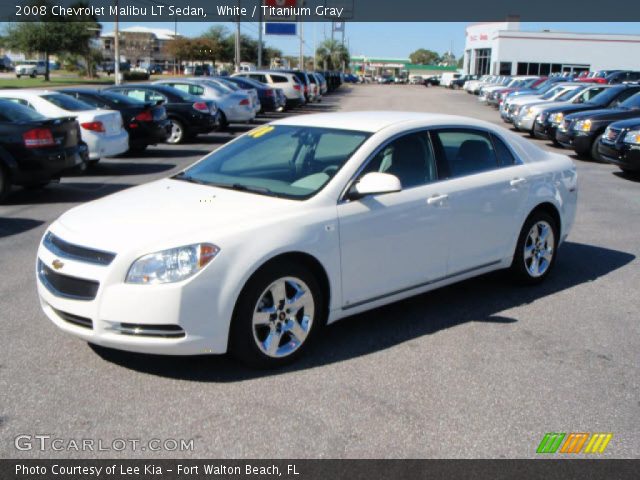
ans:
(14, 112)
(631, 103)
(66, 102)
(279, 160)
(551, 93)
(568, 95)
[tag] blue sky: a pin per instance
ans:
(391, 39)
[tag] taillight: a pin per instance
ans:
(38, 137)
(201, 107)
(93, 126)
(244, 101)
(296, 87)
(268, 93)
(145, 116)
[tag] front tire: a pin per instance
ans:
(279, 312)
(536, 249)
(595, 155)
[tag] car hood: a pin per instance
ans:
(606, 114)
(167, 213)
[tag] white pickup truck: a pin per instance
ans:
(30, 68)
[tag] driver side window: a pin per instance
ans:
(410, 158)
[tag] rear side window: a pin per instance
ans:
(15, 112)
(279, 79)
(259, 77)
(503, 154)
(464, 151)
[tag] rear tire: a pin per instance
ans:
(536, 249)
(178, 133)
(261, 317)
(223, 122)
(5, 182)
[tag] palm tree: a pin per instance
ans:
(332, 55)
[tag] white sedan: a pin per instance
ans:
(101, 130)
(300, 223)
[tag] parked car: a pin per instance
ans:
(35, 149)
(30, 68)
(581, 131)
(497, 96)
(526, 119)
(304, 80)
(416, 79)
(231, 87)
(232, 107)
(188, 115)
(146, 122)
(620, 145)
(365, 184)
(458, 83)
(109, 67)
(270, 100)
(101, 130)
(432, 80)
(315, 87)
(322, 82)
(288, 82)
(552, 117)
(597, 77)
(515, 105)
(448, 77)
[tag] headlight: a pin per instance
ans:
(556, 118)
(173, 265)
(632, 137)
(582, 125)
(529, 112)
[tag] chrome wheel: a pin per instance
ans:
(539, 249)
(176, 132)
(283, 317)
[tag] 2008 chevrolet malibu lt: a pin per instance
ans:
(300, 223)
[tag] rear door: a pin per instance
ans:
(486, 190)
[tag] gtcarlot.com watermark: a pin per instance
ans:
(51, 443)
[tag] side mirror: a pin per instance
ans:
(375, 183)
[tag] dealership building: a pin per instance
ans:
(503, 49)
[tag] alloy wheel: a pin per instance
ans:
(283, 317)
(539, 249)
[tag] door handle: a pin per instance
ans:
(437, 199)
(517, 181)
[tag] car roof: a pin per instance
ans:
(19, 93)
(374, 121)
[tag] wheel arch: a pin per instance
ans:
(303, 258)
(550, 209)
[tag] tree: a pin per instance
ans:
(332, 55)
(51, 35)
(216, 38)
(423, 56)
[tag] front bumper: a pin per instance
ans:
(525, 123)
(169, 319)
(623, 155)
(545, 130)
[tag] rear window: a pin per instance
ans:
(66, 102)
(14, 112)
(122, 100)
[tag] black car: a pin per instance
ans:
(188, 115)
(269, 99)
(581, 131)
(458, 83)
(551, 118)
(620, 145)
(35, 149)
(146, 123)
(622, 76)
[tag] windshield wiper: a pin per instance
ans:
(250, 188)
(188, 178)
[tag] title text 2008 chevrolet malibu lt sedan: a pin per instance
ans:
(302, 222)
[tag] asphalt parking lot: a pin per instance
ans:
(479, 369)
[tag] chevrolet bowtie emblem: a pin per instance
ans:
(57, 264)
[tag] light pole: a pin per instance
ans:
(116, 47)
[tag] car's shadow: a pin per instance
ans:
(14, 226)
(631, 176)
(476, 300)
